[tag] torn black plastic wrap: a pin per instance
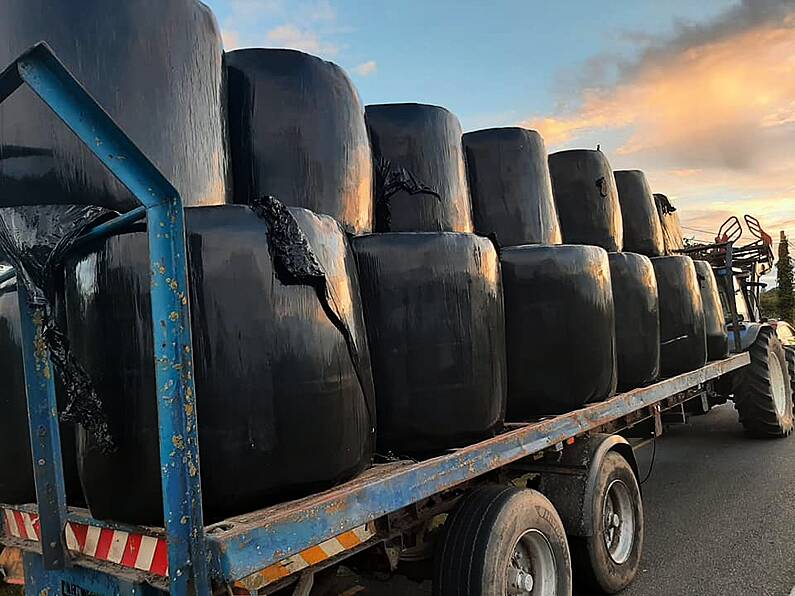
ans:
(683, 339)
(642, 227)
(388, 182)
(281, 402)
(510, 186)
(671, 228)
(425, 142)
(587, 199)
(35, 240)
(295, 261)
(714, 318)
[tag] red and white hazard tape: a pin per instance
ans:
(135, 551)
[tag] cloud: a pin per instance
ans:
(290, 36)
(307, 25)
(365, 69)
(708, 113)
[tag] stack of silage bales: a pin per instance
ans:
(558, 299)
(681, 316)
(431, 290)
(634, 283)
(281, 363)
(682, 322)
(714, 317)
(156, 68)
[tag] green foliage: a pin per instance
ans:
(785, 296)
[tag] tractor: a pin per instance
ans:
(762, 392)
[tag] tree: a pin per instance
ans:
(786, 297)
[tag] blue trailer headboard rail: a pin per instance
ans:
(47, 77)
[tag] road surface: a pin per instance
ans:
(720, 516)
(720, 512)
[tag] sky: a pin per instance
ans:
(699, 95)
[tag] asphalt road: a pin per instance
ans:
(720, 512)
(720, 516)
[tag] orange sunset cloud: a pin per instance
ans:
(712, 123)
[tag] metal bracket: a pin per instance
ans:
(48, 78)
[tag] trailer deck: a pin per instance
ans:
(267, 546)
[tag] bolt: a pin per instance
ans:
(616, 520)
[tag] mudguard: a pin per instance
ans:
(570, 484)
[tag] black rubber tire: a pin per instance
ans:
(479, 538)
(754, 394)
(789, 352)
(594, 570)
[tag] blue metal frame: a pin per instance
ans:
(179, 448)
(45, 437)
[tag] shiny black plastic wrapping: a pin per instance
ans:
(642, 227)
(154, 66)
(714, 319)
(433, 307)
(637, 319)
(284, 403)
(669, 220)
(682, 332)
(560, 328)
(16, 473)
(510, 186)
(586, 199)
(425, 142)
(297, 132)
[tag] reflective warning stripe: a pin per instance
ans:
(135, 551)
(306, 558)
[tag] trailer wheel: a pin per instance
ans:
(608, 559)
(764, 391)
(506, 541)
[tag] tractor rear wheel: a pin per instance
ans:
(764, 391)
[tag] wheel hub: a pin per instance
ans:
(777, 385)
(618, 522)
(532, 568)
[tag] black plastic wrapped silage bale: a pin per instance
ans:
(642, 227)
(714, 318)
(560, 328)
(283, 380)
(433, 307)
(586, 199)
(671, 227)
(510, 186)
(297, 132)
(154, 66)
(16, 474)
(637, 319)
(682, 332)
(423, 144)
